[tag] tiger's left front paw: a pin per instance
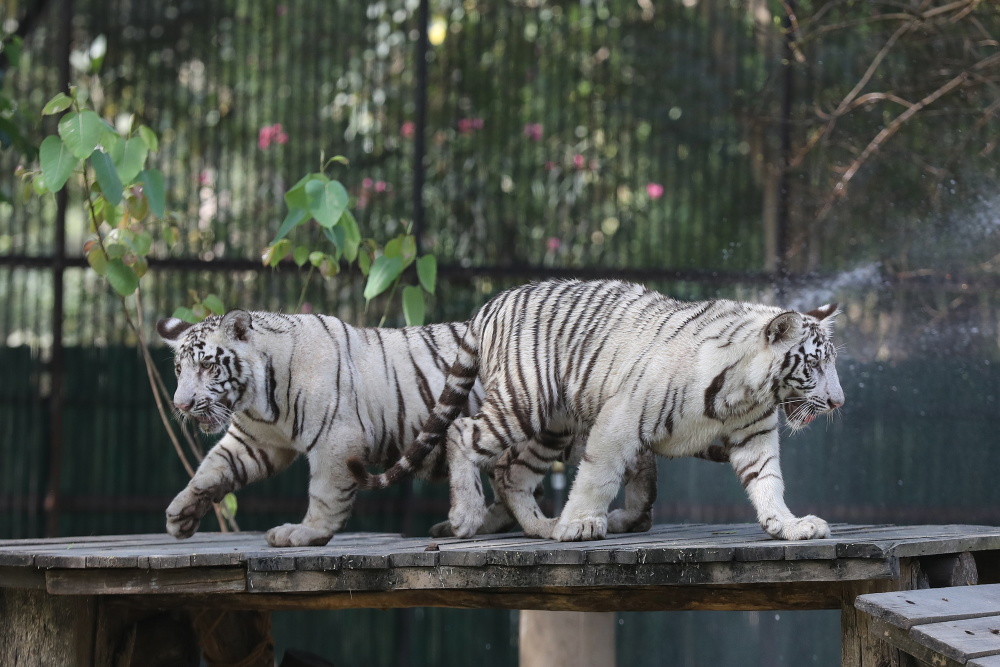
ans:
(805, 528)
(297, 535)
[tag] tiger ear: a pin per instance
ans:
(237, 325)
(784, 328)
(824, 312)
(171, 329)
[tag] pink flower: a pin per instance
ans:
(306, 308)
(381, 186)
(469, 125)
(367, 183)
(553, 244)
(549, 166)
(269, 134)
(654, 190)
(281, 10)
(408, 129)
(578, 161)
(533, 131)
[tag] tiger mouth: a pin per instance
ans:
(797, 410)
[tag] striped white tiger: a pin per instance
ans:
(285, 385)
(636, 371)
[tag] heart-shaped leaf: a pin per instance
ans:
(121, 277)
(58, 162)
(129, 157)
(383, 271)
(81, 132)
(60, 102)
(413, 306)
(153, 188)
(427, 272)
(327, 201)
(107, 177)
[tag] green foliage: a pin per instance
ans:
(13, 124)
(316, 197)
(119, 198)
(201, 308)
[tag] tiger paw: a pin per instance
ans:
(582, 529)
(442, 529)
(184, 512)
(805, 528)
(624, 521)
(465, 523)
(297, 535)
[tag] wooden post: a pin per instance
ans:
(235, 637)
(39, 629)
(567, 639)
(861, 648)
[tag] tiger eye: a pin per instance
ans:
(206, 364)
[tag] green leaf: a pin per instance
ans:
(148, 136)
(327, 201)
(352, 236)
(295, 217)
(98, 260)
(153, 188)
(12, 47)
(186, 314)
(300, 255)
(121, 277)
(141, 242)
(296, 196)
(275, 253)
(57, 162)
(427, 272)
(214, 304)
(57, 104)
(315, 257)
(228, 505)
(364, 263)
(129, 156)
(383, 271)
(81, 132)
(413, 306)
(107, 177)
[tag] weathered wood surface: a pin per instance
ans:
(942, 626)
(386, 570)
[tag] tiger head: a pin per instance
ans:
(806, 383)
(212, 378)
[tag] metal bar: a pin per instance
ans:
(785, 132)
(57, 363)
(420, 122)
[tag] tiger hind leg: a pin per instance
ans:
(640, 494)
(520, 471)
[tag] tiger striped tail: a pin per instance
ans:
(458, 384)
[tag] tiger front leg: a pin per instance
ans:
(758, 467)
(231, 464)
(612, 443)
(331, 499)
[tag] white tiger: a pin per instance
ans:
(313, 385)
(635, 371)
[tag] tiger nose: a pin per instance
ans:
(834, 404)
(183, 407)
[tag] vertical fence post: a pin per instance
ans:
(57, 361)
(785, 134)
(420, 121)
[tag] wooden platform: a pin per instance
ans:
(671, 567)
(943, 626)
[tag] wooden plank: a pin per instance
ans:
(961, 640)
(144, 581)
(906, 609)
(749, 597)
(901, 640)
(611, 575)
(21, 577)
